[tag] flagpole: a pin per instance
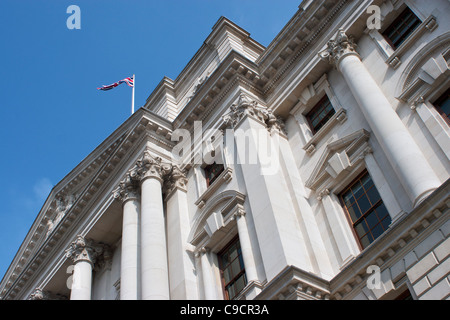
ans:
(132, 94)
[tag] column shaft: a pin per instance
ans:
(82, 281)
(209, 284)
(130, 264)
(155, 282)
(403, 153)
(246, 248)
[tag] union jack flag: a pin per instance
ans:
(129, 81)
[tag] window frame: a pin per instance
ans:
(362, 218)
(398, 23)
(222, 268)
(317, 109)
(438, 107)
(208, 179)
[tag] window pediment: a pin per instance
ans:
(339, 157)
(215, 218)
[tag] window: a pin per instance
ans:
(401, 28)
(442, 105)
(212, 171)
(405, 295)
(366, 211)
(320, 114)
(232, 269)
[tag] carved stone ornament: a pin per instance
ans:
(245, 106)
(176, 179)
(149, 166)
(62, 206)
(336, 49)
(82, 249)
(128, 189)
(40, 294)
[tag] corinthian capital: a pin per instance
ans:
(149, 166)
(336, 49)
(128, 189)
(82, 249)
(245, 106)
(176, 179)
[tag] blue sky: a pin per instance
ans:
(51, 114)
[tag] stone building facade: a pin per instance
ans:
(315, 168)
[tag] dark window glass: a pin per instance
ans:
(232, 269)
(366, 210)
(442, 105)
(406, 295)
(212, 172)
(401, 28)
(320, 114)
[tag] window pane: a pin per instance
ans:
(401, 27)
(373, 195)
(227, 275)
(364, 204)
(361, 228)
(368, 210)
(372, 219)
(377, 231)
(357, 190)
(354, 212)
(320, 114)
(366, 240)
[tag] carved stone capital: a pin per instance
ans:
(201, 251)
(150, 167)
(325, 192)
(82, 249)
(238, 214)
(128, 189)
(176, 180)
(342, 45)
(251, 108)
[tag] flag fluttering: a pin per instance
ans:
(129, 81)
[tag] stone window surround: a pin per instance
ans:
(420, 93)
(308, 99)
(393, 57)
(215, 228)
(335, 170)
(225, 176)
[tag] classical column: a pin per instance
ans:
(154, 268)
(247, 251)
(130, 286)
(209, 285)
(409, 163)
(182, 279)
(342, 234)
(84, 253)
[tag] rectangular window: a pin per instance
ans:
(232, 269)
(212, 171)
(401, 28)
(320, 114)
(442, 105)
(366, 211)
